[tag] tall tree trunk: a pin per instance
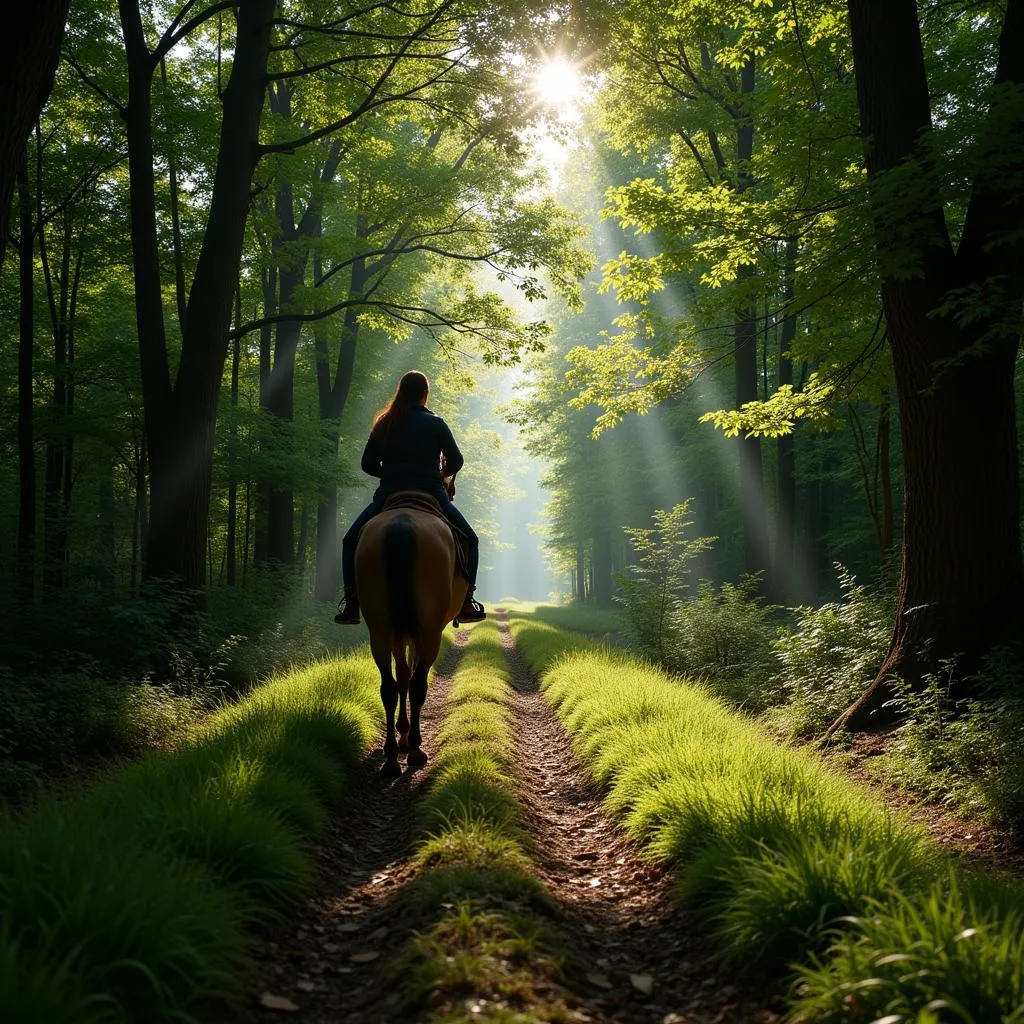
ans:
(28, 62)
(581, 573)
(752, 497)
(602, 566)
(268, 282)
(785, 522)
(180, 421)
(139, 513)
(332, 396)
(54, 475)
(883, 460)
(962, 576)
(106, 535)
(279, 401)
(232, 528)
(172, 184)
(25, 572)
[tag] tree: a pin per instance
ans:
(27, 67)
(952, 290)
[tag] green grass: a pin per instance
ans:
(609, 624)
(134, 900)
(487, 944)
(791, 862)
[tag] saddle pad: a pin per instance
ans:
(420, 501)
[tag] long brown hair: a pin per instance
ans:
(389, 421)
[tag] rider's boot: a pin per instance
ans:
(348, 613)
(471, 611)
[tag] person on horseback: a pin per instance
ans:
(407, 446)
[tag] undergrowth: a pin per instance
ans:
(96, 676)
(134, 900)
(793, 864)
(966, 752)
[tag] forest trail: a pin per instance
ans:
(636, 956)
(325, 962)
(631, 954)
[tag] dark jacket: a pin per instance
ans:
(413, 457)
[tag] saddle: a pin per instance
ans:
(420, 501)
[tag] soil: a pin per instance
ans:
(633, 955)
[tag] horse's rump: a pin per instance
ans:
(405, 577)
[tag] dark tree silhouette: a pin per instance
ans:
(33, 35)
(954, 328)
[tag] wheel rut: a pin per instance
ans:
(327, 961)
(635, 955)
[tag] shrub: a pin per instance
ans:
(51, 721)
(966, 751)
(652, 587)
(725, 637)
(829, 657)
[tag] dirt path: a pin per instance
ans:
(635, 955)
(325, 963)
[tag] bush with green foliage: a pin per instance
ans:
(653, 587)
(828, 657)
(96, 679)
(49, 722)
(135, 898)
(724, 637)
(965, 751)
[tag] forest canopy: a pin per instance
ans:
(758, 260)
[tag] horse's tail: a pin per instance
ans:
(399, 555)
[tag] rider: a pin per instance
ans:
(404, 449)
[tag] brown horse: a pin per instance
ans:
(409, 590)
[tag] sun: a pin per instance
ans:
(558, 83)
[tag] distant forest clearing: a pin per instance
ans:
(722, 303)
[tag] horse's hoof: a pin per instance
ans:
(417, 758)
(391, 770)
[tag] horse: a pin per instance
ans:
(409, 590)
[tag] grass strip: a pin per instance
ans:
(795, 866)
(487, 952)
(134, 900)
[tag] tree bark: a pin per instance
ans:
(884, 463)
(55, 473)
(232, 527)
(24, 586)
(602, 566)
(962, 578)
(33, 35)
(785, 523)
(332, 395)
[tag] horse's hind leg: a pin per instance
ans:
(402, 672)
(391, 769)
(417, 697)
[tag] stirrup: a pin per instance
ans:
(475, 610)
(348, 613)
